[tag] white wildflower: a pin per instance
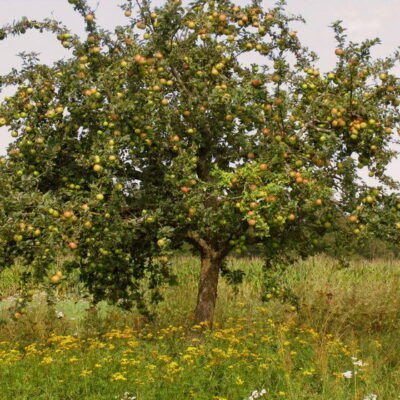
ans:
(371, 396)
(348, 374)
(360, 363)
(59, 314)
(256, 394)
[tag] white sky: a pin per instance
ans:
(363, 19)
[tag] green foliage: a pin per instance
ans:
(158, 134)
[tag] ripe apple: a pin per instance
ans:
(55, 279)
(128, 13)
(256, 82)
(270, 198)
(68, 214)
(89, 18)
(72, 245)
(276, 78)
(252, 222)
(339, 51)
(185, 189)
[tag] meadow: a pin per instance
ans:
(341, 342)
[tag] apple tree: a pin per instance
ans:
(207, 124)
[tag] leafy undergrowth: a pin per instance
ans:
(341, 343)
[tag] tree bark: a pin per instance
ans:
(208, 288)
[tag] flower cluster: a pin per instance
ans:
(255, 394)
(126, 396)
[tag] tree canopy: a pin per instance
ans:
(163, 133)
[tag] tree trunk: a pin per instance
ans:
(208, 287)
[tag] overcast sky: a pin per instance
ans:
(363, 19)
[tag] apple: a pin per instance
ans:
(339, 51)
(185, 189)
(128, 13)
(252, 222)
(270, 198)
(55, 279)
(89, 18)
(68, 214)
(161, 242)
(276, 78)
(100, 196)
(72, 245)
(256, 82)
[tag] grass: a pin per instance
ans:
(101, 354)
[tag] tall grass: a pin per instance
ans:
(364, 298)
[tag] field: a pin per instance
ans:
(342, 343)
